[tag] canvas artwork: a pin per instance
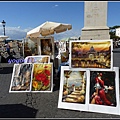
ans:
(21, 78)
(30, 48)
(91, 54)
(17, 69)
(37, 59)
(104, 91)
(46, 47)
(73, 87)
(65, 55)
(89, 90)
(62, 47)
(42, 80)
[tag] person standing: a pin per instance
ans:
(8, 48)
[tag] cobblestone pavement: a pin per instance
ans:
(40, 105)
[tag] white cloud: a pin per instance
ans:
(18, 33)
(18, 26)
(69, 33)
(14, 32)
(56, 5)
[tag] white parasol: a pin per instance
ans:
(48, 28)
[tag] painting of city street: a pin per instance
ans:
(73, 89)
(74, 86)
(91, 54)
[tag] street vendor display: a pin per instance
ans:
(29, 77)
(90, 82)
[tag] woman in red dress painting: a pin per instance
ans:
(99, 96)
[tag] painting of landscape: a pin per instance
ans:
(91, 54)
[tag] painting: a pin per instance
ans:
(47, 47)
(65, 55)
(21, 78)
(73, 87)
(30, 47)
(104, 91)
(42, 80)
(62, 47)
(37, 59)
(91, 54)
(89, 90)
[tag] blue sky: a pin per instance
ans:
(21, 17)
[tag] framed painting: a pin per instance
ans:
(21, 78)
(37, 59)
(42, 77)
(46, 46)
(62, 46)
(73, 89)
(65, 55)
(104, 91)
(30, 47)
(91, 54)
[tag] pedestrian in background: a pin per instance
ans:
(8, 48)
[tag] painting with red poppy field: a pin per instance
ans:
(42, 77)
(91, 54)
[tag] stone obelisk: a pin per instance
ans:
(95, 21)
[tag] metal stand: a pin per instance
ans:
(1, 68)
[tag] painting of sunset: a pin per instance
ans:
(91, 54)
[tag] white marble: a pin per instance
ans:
(95, 21)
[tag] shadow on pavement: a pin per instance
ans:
(5, 70)
(57, 85)
(17, 111)
(56, 82)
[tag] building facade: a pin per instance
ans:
(117, 32)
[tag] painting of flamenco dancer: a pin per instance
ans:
(91, 54)
(102, 88)
(104, 91)
(21, 78)
(42, 77)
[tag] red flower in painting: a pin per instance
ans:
(46, 82)
(46, 67)
(47, 72)
(40, 77)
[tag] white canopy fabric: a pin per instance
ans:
(2, 37)
(48, 28)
